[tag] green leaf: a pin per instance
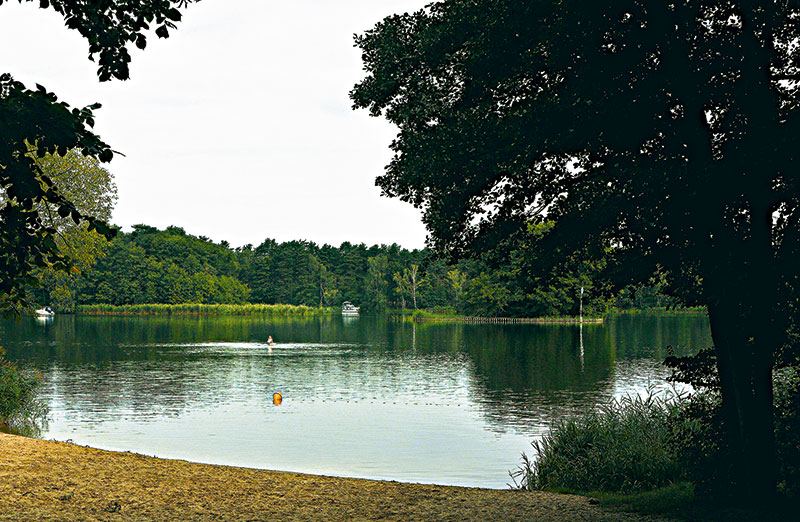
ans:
(174, 14)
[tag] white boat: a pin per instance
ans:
(45, 312)
(349, 309)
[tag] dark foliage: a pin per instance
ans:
(37, 118)
(27, 240)
(661, 134)
(701, 439)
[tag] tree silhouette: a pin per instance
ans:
(664, 132)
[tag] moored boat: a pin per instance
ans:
(45, 312)
(349, 309)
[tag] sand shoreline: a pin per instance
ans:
(50, 480)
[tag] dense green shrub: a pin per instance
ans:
(787, 429)
(647, 442)
(701, 447)
(627, 445)
(20, 408)
(704, 450)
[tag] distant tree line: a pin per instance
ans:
(151, 266)
(148, 265)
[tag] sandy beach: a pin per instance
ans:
(49, 480)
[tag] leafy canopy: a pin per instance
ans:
(665, 130)
(37, 117)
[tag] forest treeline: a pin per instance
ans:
(152, 266)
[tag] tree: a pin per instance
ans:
(487, 295)
(663, 133)
(458, 281)
(37, 117)
(401, 287)
(92, 190)
(376, 282)
(554, 290)
(325, 281)
(414, 282)
(436, 290)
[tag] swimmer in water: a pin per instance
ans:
(270, 341)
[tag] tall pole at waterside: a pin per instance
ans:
(580, 312)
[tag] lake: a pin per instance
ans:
(362, 397)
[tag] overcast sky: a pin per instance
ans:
(238, 126)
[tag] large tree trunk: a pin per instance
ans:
(744, 345)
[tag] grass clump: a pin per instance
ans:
(626, 445)
(682, 501)
(21, 410)
(676, 500)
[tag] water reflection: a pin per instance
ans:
(361, 397)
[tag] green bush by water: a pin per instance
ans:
(787, 430)
(625, 445)
(640, 444)
(709, 464)
(20, 408)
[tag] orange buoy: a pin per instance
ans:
(277, 398)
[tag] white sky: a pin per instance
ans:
(238, 126)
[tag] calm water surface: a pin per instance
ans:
(362, 397)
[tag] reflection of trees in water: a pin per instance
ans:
(517, 375)
(649, 336)
(542, 359)
(520, 376)
(529, 375)
(155, 366)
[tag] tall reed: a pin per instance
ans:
(626, 445)
(201, 309)
(21, 408)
